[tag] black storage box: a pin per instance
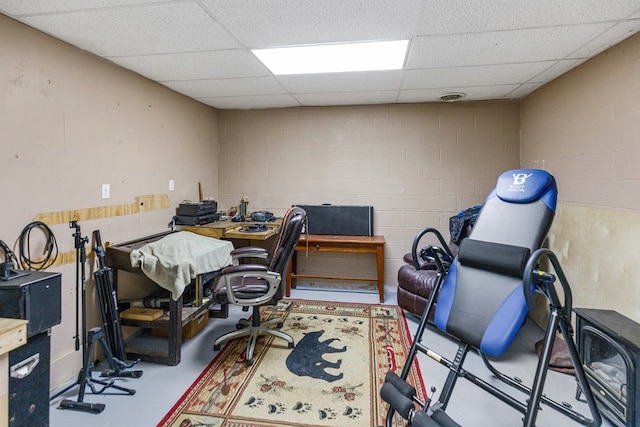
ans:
(29, 371)
(35, 297)
(339, 220)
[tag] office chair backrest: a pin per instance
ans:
(285, 244)
(482, 301)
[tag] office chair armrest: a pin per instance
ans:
(251, 271)
(241, 268)
(248, 252)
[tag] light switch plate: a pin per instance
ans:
(106, 191)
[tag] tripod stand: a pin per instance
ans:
(94, 336)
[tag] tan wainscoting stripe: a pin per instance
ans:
(142, 204)
(70, 257)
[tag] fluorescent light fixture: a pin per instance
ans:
(334, 58)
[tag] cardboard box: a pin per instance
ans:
(189, 330)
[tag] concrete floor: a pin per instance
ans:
(161, 386)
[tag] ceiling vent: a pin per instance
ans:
(452, 96)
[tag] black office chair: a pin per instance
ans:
(256, 285)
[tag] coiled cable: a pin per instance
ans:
(9, 256)
(50, 253)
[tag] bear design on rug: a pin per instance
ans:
(305, 360)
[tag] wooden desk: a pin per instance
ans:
(340, 244)
(13, 334)
(232, 230)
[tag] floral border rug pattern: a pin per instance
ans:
(331, 378)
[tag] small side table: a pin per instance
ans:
(339, 244)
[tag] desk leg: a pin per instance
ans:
(290, 269)
(380, 265)
(175, 332)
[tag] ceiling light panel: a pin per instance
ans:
(334, 58)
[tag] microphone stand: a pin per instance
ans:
(85, 379)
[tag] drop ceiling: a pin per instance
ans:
(487, 49)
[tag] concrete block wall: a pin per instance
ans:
(416, 164)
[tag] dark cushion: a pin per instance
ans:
(414, 303)
(424, 265)
(414, 288)
(504, 259)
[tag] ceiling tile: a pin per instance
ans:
(470, 16)
(472, 93)
(144, 29)
(283, 22)
(227, 87)
(348, 98)
(499, 47)
(523, 90)
(338, 82)
(24, 7)
(484, 75)
(610, 37)
(251, 102)
(556, 69)
(198, 65)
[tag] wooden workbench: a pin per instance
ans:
(339, 244)
(157, 349)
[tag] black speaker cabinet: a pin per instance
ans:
(339, 220)
(35, 297)
(29, 382)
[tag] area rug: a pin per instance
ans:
(332, 377)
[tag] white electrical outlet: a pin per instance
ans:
(171, 185)
(106, 191)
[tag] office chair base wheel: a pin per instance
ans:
(279, 325)
(290, 345)
(249, 362)
(216, 347)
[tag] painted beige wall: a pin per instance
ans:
(416, 164)
(584, 128)
(70, 122)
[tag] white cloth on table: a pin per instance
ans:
(176, 259)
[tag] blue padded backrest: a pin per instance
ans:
(481, 301)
